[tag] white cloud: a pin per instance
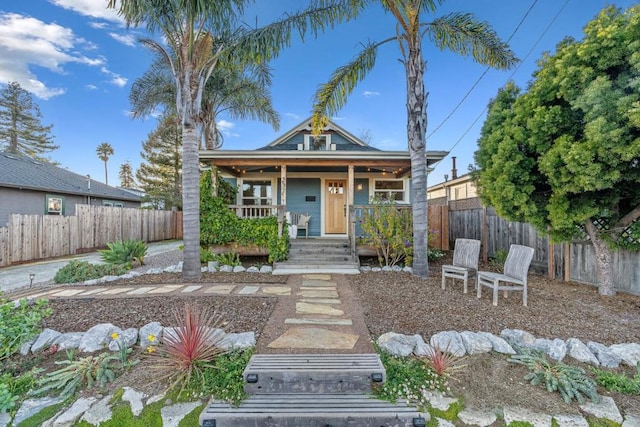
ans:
(337, 118)
(224, 125)
(98, 25)
(116, 79)
(27, 42)
(126, 39)
(91, 87)
(292, 116)
(92, 8)
(370, 93)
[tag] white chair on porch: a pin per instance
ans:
(465, 262)
(516, 270)
(301, 221)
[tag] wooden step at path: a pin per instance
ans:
(313, 373)
(306, 410)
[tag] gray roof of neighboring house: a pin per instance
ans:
(23, 172)
(339, 147)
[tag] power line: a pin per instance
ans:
(509, 78)
(482, 75)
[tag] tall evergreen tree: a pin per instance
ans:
(126, 176)
(21, 128)
(104, 151)
(160, 173)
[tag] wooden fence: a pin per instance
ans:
(570, 262)
(33, 237)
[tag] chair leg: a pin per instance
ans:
(465, 280)
(495, 293)
(524, 295)
(478, 287)
(443, 280)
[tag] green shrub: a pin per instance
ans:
(224, 380)
(618, 382)
(228, 258)
(499, 258)
(79, 271)
(570, 381)
(11, 388)
(125, 252)
(19, 323)
(206, 255)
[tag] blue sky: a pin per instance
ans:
(79, 61)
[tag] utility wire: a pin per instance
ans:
(508, 78)
(482, 75)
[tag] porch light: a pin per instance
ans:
(359, 187)
(31, 277)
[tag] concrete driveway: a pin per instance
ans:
(17, 276)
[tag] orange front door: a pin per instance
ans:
(335, 216)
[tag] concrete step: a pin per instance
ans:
(306, 410)
(313, 373)
(319, 258)
(316, 269)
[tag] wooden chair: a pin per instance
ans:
(302, 221)
(516, 269)
(465, 262)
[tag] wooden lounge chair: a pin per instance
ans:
(302, 221)
(516, 269)
(465, 262)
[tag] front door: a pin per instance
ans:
(335, 215)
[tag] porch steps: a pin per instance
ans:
(318, 256)
(305, 390)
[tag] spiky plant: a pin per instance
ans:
(444, 362)
(125, 252)
(189, 348)
(570, 381)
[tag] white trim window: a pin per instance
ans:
(317, 143)
(390, 189)
(257, 192)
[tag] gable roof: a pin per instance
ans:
(23, 172)
(282, 142)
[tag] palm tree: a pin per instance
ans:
(460, 33)
(197, 35)
(105, 150)
(240, 90)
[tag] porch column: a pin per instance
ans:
(351, 226)
(350, 187)
(283, 198)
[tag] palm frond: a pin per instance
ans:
(463, 34)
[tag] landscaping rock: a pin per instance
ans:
(518, 338)
(477, 417)
(26, 347)
(154, 399)
(5, 419)
(30, 407)
(216, 336)
(387, 268)
(605, 355)
(153, 329)
(204, 269)
(629, 352)
(266, 269)
(226, 269)
(475, 343)
(444, 423)
(44, 340)
(629, 421)
(170, 269)
(253, 269)
(438, 401)
(396, 268)
(422, 349)
(99, 412)
(579, 351)
(110, 278)
(179, 267)
(397, 344)
(408, 270)
(365, 269)
(606, 408)
(239, 269)
(172, 415)
(69, 340)
(212, 266)
(169, 332)
(134, 398)
(154, 271)
(448, 341)
(376, 269)
(98, 337)
(555, 349)
(128, 337)
(571, 421)
(73, 414)
(91, 282)
(499, 345)
(239, 341)
(512, 414)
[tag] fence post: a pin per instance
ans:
(484, 236)
(567, 261)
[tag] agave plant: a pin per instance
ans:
(125, 252)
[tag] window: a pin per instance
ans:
(111, 203)
(55, 205)
(389, 190)
(256, 193)
(317, 143)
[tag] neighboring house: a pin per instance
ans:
(319, 176)
(459, 193)
(28, 186)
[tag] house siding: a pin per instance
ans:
(297, 191)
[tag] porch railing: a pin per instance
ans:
(261, 211)
(356, 213)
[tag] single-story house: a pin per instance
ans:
(28, 186)
(459, 193)
(322, 176)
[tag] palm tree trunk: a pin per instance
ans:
(416, 135)
(190, 200)
(106, 177)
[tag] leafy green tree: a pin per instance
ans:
(160, 173)
(21, 128)
(565, 155)
(458, 32)
(240, 90)
(196, 35)
(126, 175)
(104, 151)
